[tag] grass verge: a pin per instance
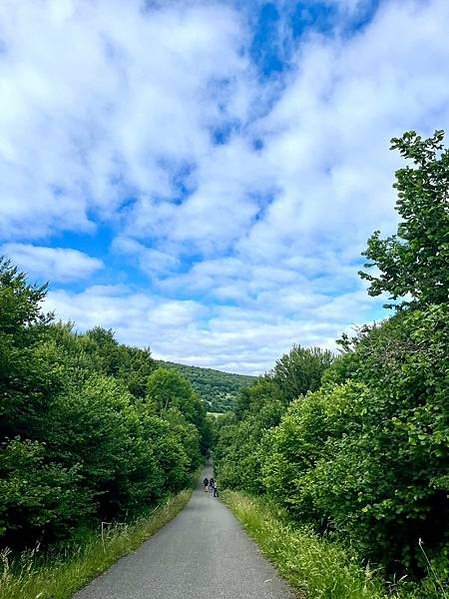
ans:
(59, 576)
(315, 568)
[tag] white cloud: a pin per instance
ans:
(115, 111)
(149, 260)
(231, 338)
(50, 263)
(328, 134)
(263, 232)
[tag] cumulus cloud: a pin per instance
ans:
(328, 133)
(101, 101)
(50, 263)
(149, 260)
(243, 200)
(232, 338)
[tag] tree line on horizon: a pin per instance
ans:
(218, 389)
(356, 446)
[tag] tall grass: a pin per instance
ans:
(315, 567)
(59, 574)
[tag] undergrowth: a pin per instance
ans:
(59, 574)
(315, 567)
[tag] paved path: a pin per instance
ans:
(202, 554)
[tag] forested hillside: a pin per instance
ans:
(90, 429)
(356, 447)
(217, 388)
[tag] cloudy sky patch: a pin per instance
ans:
(203, 176)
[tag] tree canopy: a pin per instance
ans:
(413, 265)
(81, 436)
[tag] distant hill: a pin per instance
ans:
(218, 389)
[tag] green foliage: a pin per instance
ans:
(106, 438)
(362, 455)
(37, 494)
(25, 386)
(415, 262)
(60, 572)
(130, 364)
(168, 389)
(239, 451)
(81, 436)
(314, 566)
(20, 303)
(217, 389)
(172, 395)
(302, 442)
(368, 458)
(301, 370)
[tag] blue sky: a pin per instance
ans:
(202, 176)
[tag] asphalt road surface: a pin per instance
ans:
(202, 554)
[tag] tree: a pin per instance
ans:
(25, 383)
(415, 261)
(368, 458)
(238, 452)
(36, 495)
(78, 441)
(135, 368)
(107, 349)
(168, 389)
(301, 370)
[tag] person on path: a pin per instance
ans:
(211, 486)
(205, 483)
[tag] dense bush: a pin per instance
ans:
(82, 433)
(300, 371)
(365, 457)
(369, 458)
(239, 451)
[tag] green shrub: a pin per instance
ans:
(369, 458)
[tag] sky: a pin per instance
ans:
(202, 176)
